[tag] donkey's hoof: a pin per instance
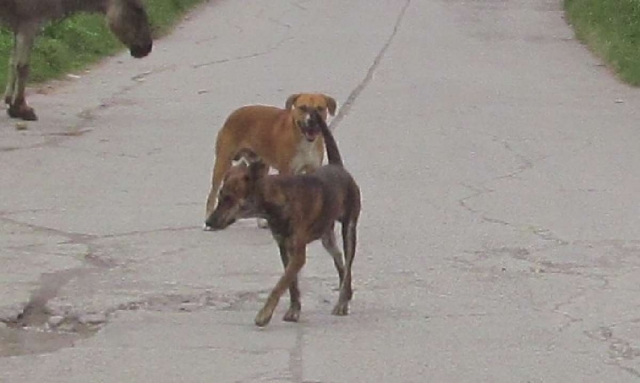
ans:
(341, 309)
(22, 111)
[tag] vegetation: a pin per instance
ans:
(611, 29)
(74, 43)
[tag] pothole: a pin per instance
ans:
(37, 330)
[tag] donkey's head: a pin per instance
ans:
(128, 20)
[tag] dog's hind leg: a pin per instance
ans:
(346, 292)
(329, 243)
(293, 314)
(296, 261)
(221, 167)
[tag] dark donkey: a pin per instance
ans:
(127, 19)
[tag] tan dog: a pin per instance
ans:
(299, 209)
(282, 138)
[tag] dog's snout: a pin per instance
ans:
(314, 117)
(219, 220)
(212, 223)
(209, 224)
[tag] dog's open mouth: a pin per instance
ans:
(310, 131)
(311, 134)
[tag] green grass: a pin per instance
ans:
(74, 43)
(611, 29)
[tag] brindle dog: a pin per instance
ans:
(299, 210)
(127, 19)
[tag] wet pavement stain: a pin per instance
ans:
(27, 341)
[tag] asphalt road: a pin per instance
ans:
(499, 239)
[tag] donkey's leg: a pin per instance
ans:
(11, 75)
(24, 43)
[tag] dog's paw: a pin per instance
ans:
(292, 315)
(264, 317)
(341, 309)
(206, 227)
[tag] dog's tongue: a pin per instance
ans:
(311, 135)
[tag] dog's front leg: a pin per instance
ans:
(293, 314)
(296, 260)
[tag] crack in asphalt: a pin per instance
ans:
(528, 255)
(476, 192)
(88, 115)
(243, 57)
(480, 190)
(76, 238)
(264, 52)
(296, 367)
(80, 238)
(619, 349)
(570, 319)
(355, 93)
(526, 164)
(55, 139)
(552, 241)
(540, 232)
(36, 314)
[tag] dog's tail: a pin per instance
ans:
(333, 154)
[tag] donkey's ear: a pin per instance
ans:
(291, 100)
(331, 104)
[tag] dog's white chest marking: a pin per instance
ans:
(306, 155)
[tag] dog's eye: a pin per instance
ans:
(304, 108)
(320, 108)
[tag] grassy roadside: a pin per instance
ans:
(72, 44)
(611, 29)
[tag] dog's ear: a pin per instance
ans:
(331, 105)
(291, 100)
(257, 170)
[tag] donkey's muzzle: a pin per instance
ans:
(140, 51)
